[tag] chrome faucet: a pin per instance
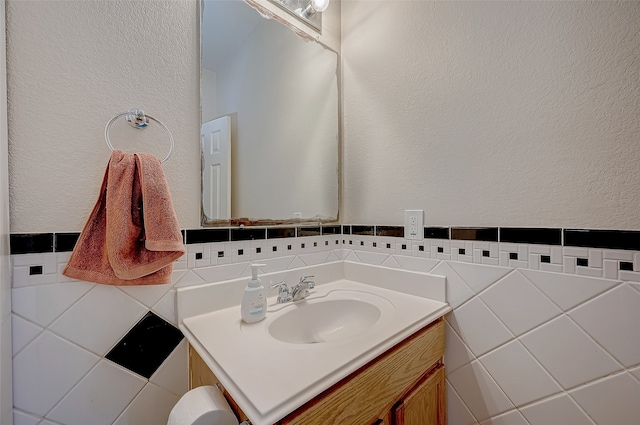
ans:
(297, 292)
(283, 292)
(301, 290)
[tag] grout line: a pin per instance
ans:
(462, 400)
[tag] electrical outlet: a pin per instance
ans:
(414, 224)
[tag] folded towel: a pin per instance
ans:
(132, 236)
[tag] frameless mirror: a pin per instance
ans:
(269, 135)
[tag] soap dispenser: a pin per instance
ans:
(254, 302)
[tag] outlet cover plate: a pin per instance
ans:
(414, 224)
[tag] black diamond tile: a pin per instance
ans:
(146, 346)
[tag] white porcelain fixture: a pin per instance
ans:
(337, 316)
(355, 313)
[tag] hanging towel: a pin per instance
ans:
(132, 235)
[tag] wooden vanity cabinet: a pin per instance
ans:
(424, 404)
(403, 386)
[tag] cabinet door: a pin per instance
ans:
(425, 404)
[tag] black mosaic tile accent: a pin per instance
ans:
(198, 256)
(362, 230)
(245, 234)
(513, 256)
(544, 236)
(436, 233)
(440, 249)
(146, 346)
(582, 262)
(207, 235)
(31, 243)
(393, 231)
(461, 251)
(65, 242)
(35, 270)
(421, 248)
(331, 230)
(608, 239)
(281, 232)
(308, 231)
(626, 265)
(486, 253)
(486, 234)
(545, 259)
(611, 239)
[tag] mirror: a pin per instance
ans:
(269, 135)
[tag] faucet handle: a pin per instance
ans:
(311, 284)
(283, 291)
(282, 284)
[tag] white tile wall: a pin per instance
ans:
(560, 409)
(573, 339)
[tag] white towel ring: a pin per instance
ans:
(137, 119)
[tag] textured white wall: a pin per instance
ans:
(72, 65)
(492, 113)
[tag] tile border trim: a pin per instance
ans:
(29, 243)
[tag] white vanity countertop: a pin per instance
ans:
(269, 378)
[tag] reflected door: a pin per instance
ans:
(215, 138)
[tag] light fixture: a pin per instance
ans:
(314, 7)
(308, 11)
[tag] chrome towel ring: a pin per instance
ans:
(137, 119)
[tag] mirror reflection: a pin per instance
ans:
(269, 135)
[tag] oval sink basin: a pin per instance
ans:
(324, 321)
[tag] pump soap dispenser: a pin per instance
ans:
(254, 303)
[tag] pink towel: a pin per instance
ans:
(132, 235)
